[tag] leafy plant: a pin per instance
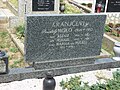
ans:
(61, 0)
(107, 28)
(75, 83)
(13, 49)
(16, 63)
(72, 84)
(20, 31)
(3, 34)
(98, 86)
(116, 75)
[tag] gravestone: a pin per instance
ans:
(63, 37)
(113, 6)
(42, 6)
(37, 7)
(63, 44)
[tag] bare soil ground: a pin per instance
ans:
(15, 57)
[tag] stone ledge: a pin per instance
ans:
(81, 6)
(12, 8)
(27, 73)
(64, 62)
(17, 42)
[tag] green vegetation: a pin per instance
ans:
(107, 28)
(17, 63)
(3, 34)
(69, 9)
(13, 49)
(108, 50)
(112, 31)
(20, 31)
(75, 83)
(14, 2)
(61, 0)
(15, 57)
(84, 4)
(3, 42)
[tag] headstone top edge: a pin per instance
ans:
(29, 15)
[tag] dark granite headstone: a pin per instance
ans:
(113, 6)
(61, 37)
(42, 5)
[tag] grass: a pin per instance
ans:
(108, 50)
(20, 31)
(13, 49)
(15, 57)
(69, 9)
(17, 63)
(14, 2)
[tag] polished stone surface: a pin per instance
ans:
(61, 37)
(27, 73)
(60, 63)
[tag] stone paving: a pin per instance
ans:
(5, 14)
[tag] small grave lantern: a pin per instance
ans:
(116, 50)
(62, 6)
(3, 62)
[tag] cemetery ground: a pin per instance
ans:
(113, 36)
(14, 2)
(91, 80)
(15, 57)
(36, 84)
(16, 60)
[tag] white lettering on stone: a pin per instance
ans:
(70, 24)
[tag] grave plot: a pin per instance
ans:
(112, 31)
(6, 44)
(62, 44)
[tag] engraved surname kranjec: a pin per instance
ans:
(68, 34)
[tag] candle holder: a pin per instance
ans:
(62, 7)
(3, 62)
(116, 50)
